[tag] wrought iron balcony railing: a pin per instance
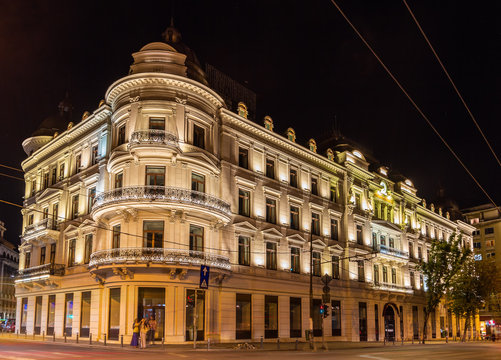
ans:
(39, 272)
(159, 256)
(45, 224)
(153, 137)
(392, 287)
(162, 194)
(383, 249)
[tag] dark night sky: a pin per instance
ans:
(300, 57)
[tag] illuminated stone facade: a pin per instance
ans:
(8, 270)
(163, 177)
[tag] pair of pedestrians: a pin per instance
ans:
(143, 330)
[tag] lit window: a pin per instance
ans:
(198, 136)
(243, 202)
(157, 123)
(314, 186)
(316, 263)
(295, 260)
(153, 234)
(293, 178)
(334, 229)
(243, 250)
(315, 224)
(243, 158)
(271, 255)
(294, 220)
(271, 211)
(196, 238)
(270, 168)
(197, 182)
(155, 176)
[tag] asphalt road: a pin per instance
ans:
(35, 350)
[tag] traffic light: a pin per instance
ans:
(326, 310)
(322, 309)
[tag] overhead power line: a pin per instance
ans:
(414, 103)
(11, 168)
(452, 82)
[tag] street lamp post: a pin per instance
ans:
(311, 285)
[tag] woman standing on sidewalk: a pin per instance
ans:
(153, 328)
(143, 330)
(135, 333)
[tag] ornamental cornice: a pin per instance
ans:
(276, 139)
(157, 79)
(67, 137)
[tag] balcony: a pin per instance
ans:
(383, 249)
(153, 137)
(392, 287)
(39, 273)
(148, 256)
(172, 198)
(45, 227)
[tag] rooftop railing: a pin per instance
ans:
(158, 256)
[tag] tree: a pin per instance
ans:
(471, 288)
(445, 259)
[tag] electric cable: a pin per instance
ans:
(11, 168)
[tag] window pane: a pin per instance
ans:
(295, 317)
(243, 316)
(197, 182)
(271, 255)
(155, 175)
(114, 320)
(85, 314)
(336, 317)
(68, 314)
(196, 238)
(153, 233)
(157, 123)
(271, 316)
(243, 250)
(243, 158)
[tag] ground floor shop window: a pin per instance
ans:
(270, 317)
(415, 323)
(362, 321)
(151, 305)
(195, 314)
(114, 314)
(317, 318)
(24, 315)
(51, 312)
(376, 321)
(38, 315)
(85, 314)
(336, 317)
(243, 316)
(68, 314)
(295, 317)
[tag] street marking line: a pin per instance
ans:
(180, 355)
(373, 357)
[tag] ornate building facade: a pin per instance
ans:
(9, 258)
(123, 208)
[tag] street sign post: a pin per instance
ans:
(204, 276)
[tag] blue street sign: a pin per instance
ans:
(204, 276)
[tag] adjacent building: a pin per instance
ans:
(123, 208)
(8, 270)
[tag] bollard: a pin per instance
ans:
(261, 343)
(33, 335)
(296, 344)
(384, 341)
(121, 340)
(43, 335)
(163, 343)
(208, 344)
(77, 338)
(90, 339)
(402, 341)
(278, 343)
(104, 339)
(54, 337)
(25, 334)
(65, 336)
(17, 335)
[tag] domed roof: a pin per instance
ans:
(58, 122)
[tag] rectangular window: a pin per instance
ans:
(45, 213)
(121, 135)
(314, 186)
(155, 176)
(293, 178)
(91, 197)
(315, 223)
(295, 260)
(115, 243)
(270, 317)
(294, 217)
(27, 260)
(243, 316)
(88, 248)
(358, 202)
(38, 315)
(42, 255)
(362, 320)
(30, 219)
(191, 310)
(243, 158)
(334, 229)
(413, 280)
(411, 251)
(336, 317)
(243, 250)
(157, 123)
(94, 155)
(68, 314)
(393, 275)
(119, 180)
(271, 255)
(382, 240)
(295, 317)
(415, 323)
(61, 171)
(198, 136)
(317, 318)
(74, 207)
(24, 315)
(376, 323)
(71, 252)
(316, 263)
(114, 319)
(420, 253)
(51, 314)
(271, 211)
(197, 182)
(33, 188)
(421, 282)
(54, 175)
(270, 168)
(45, 180)
(78, 163)
(333, 194)
(376, 274)
(361, 270)
(52, 257)
(374, 241)
(360, 239)
(243, 202)
(385, 274)
(391, 243)
(153, 234)
(55, 218)
(489, 230)
(336, 274)
(196, 238)
(85, 314)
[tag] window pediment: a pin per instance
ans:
(272, 234)
(245, 227)
(296, 239)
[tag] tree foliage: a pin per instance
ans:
(445, 260)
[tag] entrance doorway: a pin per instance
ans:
(151, 303)
(389, 323)
(191, 300)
